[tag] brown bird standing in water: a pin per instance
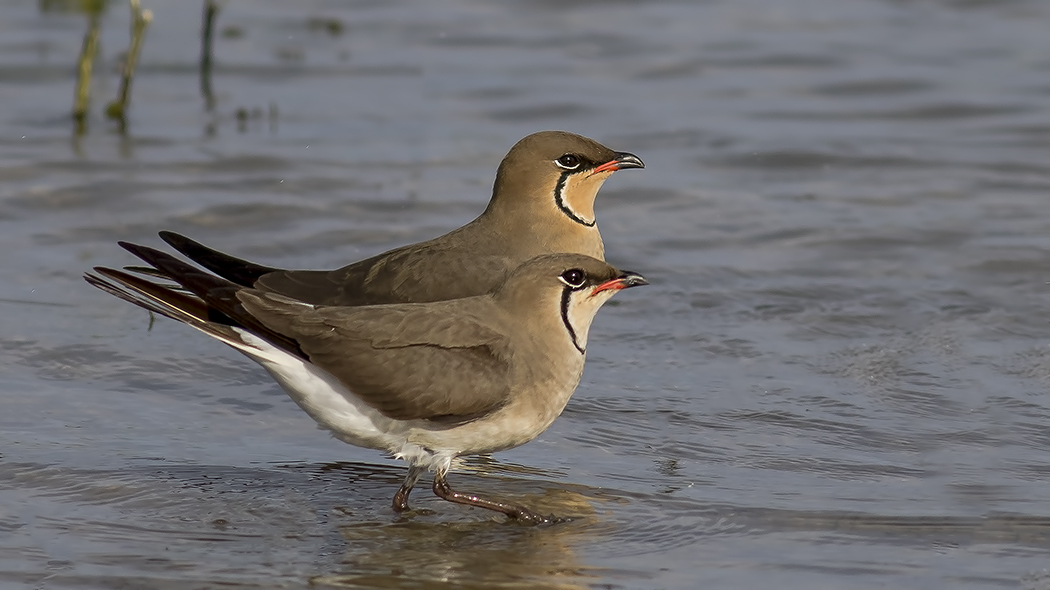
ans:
(425, 382)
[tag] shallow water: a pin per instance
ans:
(837, 379)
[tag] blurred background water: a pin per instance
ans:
(838, 378)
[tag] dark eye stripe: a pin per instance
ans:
(565, 296)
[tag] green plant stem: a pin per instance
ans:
(82, 94)
(140, 20)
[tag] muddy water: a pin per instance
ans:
(838, 378)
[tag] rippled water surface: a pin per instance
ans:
(838, 378)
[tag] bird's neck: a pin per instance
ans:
(531, 231)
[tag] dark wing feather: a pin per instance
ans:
(160, 299)
(234, 269)
(434, 362)
(218, 294)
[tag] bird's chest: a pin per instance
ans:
(571, 238)
(549, 386)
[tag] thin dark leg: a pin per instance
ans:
(400, 503)
(445, 492)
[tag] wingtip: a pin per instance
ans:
(130, 247)
(105, 273)
(170, 237)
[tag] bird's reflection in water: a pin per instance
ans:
(442, 545)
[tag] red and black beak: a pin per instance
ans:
(621, 161)
(624, 281)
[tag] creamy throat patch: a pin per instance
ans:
(576, 192)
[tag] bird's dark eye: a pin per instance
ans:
(573, 278)
(568, 161)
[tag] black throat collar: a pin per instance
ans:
(559, 198)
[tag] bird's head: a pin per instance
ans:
(556, 173)
(570, 287)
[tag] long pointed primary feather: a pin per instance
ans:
(217, 293)
(234, 269)
(158, 299)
